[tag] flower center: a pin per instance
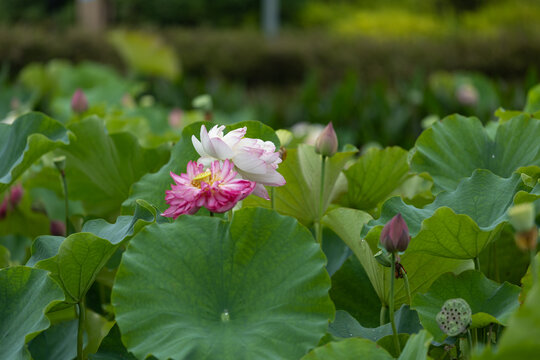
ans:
(202, 177)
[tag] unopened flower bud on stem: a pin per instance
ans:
(395, 235)
(327, 142)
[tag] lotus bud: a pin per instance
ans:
(455, 317)
(395, 235)
(3, 209)
(327, 142)
(522, 216)
(58, 228)
(175, 118)
(79, 103)
(15, 195)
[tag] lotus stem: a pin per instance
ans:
(391, 304)
(382, 316)
(477, 263)
(407, 288)
(321, 195)
(80, 331)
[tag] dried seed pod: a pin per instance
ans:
(454, 317)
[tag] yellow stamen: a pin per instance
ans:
(205, 176)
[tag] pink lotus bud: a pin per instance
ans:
(58, 228)
(395, 235)
(175, 118)
(79, 103)
(15, 195)
(3, 208)
(327, 142)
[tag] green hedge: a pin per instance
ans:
(247, 57)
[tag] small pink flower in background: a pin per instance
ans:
(175, 118)
(215, 188)
(253, 159)
(79, 103)
(3, 208)
(57, 228)
(16, 195)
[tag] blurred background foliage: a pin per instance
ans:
(380, 70)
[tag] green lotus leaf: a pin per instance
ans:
(422, 269)
(417, 346)
(59, 342)
(101, 168)
(25, 141)
(352, 291)
(152, 187)
(255, 287)
(302, 171)
(345, 326)
(25, 295)
(484, 296)
(350, 349)
(80, 257)
(454, 148)
(5, 257)
(459, 224)
(533, 100)
(520, 338)
(111, 348)
(375, 175)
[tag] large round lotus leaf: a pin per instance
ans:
(350, 349)
(204, 288)
(25, 295)
(453, 148)
(489, 301)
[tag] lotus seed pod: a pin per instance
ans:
(454, 317)
(522, 216)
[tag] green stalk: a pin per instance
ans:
(533, 266)
(66, 200)
(80, 331)
(391, 304)
(469, 345)
(382, 316)
(407, 288)
(477, 263)
(321, 194)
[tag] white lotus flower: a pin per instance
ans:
(254, 159)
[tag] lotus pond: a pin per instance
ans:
(130, 233)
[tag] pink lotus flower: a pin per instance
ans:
(216, 188)
(253, 159)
